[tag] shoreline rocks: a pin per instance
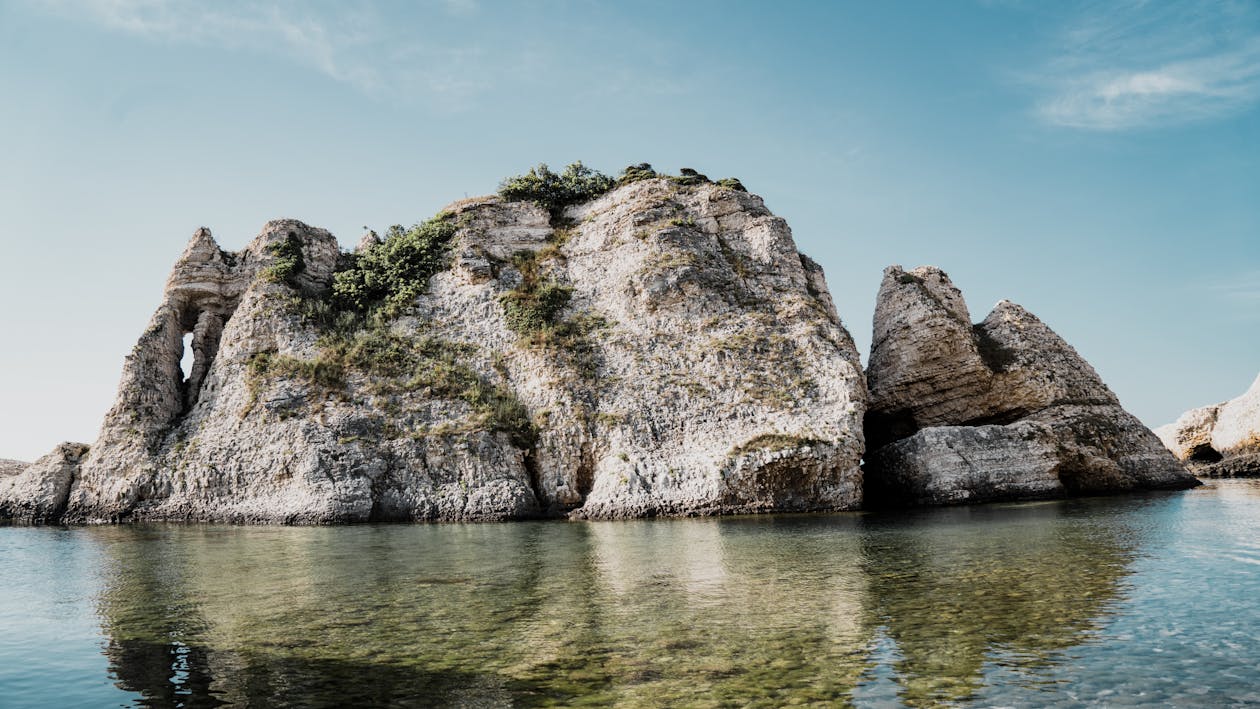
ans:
(999, 410)
(1219, 441)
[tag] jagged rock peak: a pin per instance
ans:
(661, 349)
(1222, 440)
(1001, 409)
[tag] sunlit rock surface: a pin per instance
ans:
(1000, 410)
(37, 492)
(709, 373)
(1220, 441)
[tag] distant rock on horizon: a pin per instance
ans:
(1219, 441)
(999, 410)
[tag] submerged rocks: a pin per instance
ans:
(1221, 441)
(1001, 410)
(660, 350)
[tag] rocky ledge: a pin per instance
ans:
(574, 346)
(999, 410)
(1220, 441)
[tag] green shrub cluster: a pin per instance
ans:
(555, 191)
(392, 274)
(288, 261)
(687, 176)
(534, 304)
(578, 183)
(634, 173)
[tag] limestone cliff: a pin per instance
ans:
(1003, 409)
(661, 349)
(1221, 441)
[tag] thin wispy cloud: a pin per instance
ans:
(1143, 65)
(345, 41)
(1243, 288)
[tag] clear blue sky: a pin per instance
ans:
(1098, 163)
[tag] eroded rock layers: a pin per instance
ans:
(1000, 410)
(1220, 441)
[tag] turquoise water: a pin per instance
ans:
(1139, 600)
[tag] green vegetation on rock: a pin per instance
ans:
(392, 274)
(288, 260)
(555, 191)
(393, 364)
(577, 184)
(535, 303)
(533, 310)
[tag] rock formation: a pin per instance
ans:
(1000, 410)
(662, 349)
(654, 347)
(11, 467)
(37, 493)
(1221, 441)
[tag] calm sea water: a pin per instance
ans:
(1120, 601)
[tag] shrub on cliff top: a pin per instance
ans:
(555, 191)
(289, 262)
(393, 273)
(634, 173)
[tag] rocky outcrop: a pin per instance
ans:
(11, 467)
(1221, 441)
(38, 492)
(689, 361)
(1000, 410)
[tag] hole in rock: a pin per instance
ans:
(186, 360)
(1205, 454)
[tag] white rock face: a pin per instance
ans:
(1221, 440)
(709, 374)
(38, 492)
(1000, 410)
(10, 467)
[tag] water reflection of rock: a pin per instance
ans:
(308, 617)
(734, 611)
(688, 611)
(761, 610)
(957, 589)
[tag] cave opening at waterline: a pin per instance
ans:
(1205, 453)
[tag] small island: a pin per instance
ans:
(578, 346)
